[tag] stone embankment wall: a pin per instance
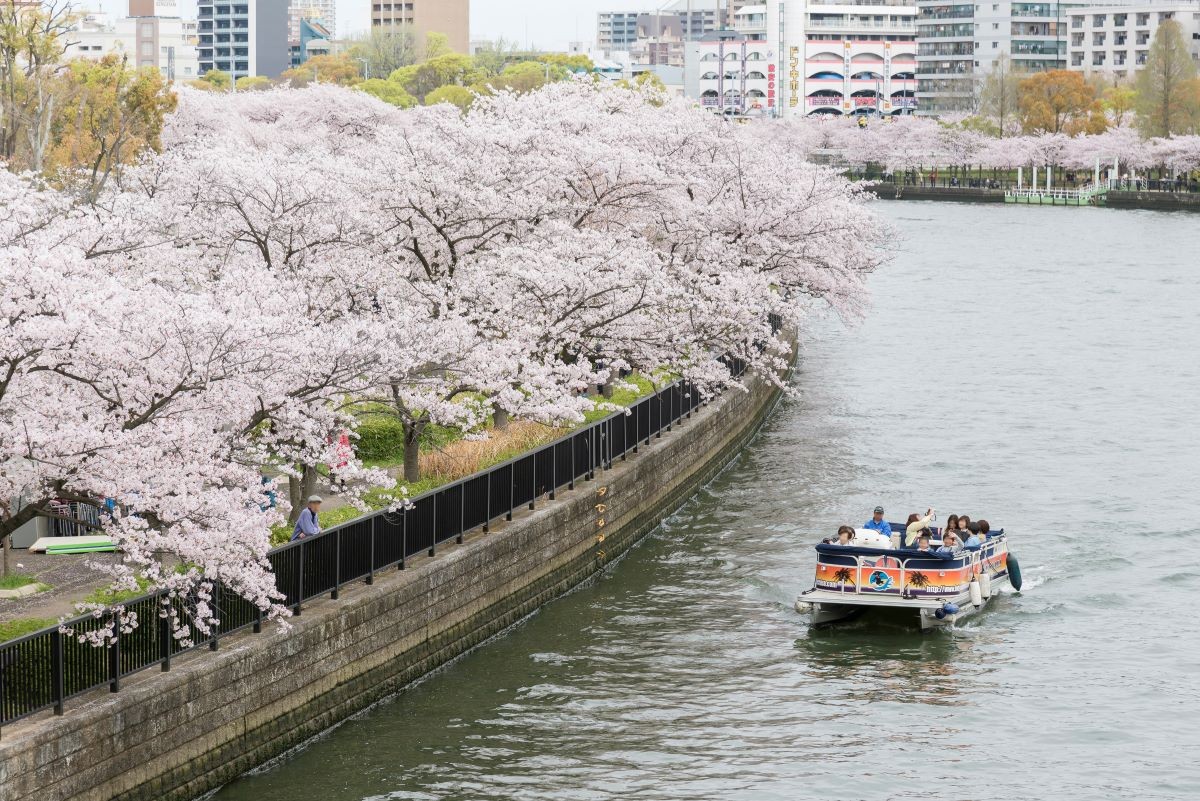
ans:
(1168, 201)
(173, 736)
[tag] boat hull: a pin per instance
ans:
(827, 609)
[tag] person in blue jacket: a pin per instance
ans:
(878, 523)
(950, 546)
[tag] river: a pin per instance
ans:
(1038, 367)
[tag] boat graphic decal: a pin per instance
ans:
(879, 581)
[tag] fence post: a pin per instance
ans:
(56, 670)
(164, 639)
(300, 579)
(371, 567)
(337, 565)
(462, 511)
(554, 467)
(487, 512)
(433, 538)
(591, 444)
(533, 500)
(659, 430)
(212, 644)
(512, 482)
(404, 536)
(637, 429)
(114, 657)
(571, 483)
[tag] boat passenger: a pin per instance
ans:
(923, 543)
(877, 523)
(950, 546)
(951, 523)
(964, 523)
(977, 540)
(844, 535)
(915, 524)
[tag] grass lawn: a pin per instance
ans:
(19, 628)
(15, 580)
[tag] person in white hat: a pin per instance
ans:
(308, 525)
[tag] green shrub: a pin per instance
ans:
(380, 439)
(22, 626)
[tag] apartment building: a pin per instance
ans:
(661, 31)
(449, 17)
(244, 37)
(153, 35)
(959, 43)
(1114, 41)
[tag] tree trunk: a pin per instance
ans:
(7, 549)
(500, 419)
(412, 450)
(299, 490)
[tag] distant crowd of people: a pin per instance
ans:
(960, 533)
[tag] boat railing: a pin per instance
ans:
(966, 559)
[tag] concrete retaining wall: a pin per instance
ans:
(1169, 201)
(173, 736)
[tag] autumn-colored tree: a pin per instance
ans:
(1059, 101)
(340, 70)
(1168, 94)
(110, 114)
(31, 46)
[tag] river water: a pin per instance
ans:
(1037, 367)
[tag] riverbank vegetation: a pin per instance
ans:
(289, 263)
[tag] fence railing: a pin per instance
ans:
(47, 668)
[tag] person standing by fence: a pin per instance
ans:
(308, 525)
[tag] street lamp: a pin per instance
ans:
(366, 67)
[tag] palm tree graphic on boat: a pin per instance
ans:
(918, 580)
(844, 576)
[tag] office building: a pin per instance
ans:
(449, 17)
(244, 37)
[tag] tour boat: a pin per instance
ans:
(906, 583)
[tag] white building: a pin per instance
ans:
(1114, 41)
(731, 71)
(958, 44)
(660, 33)
(842, 56)
(153, 35)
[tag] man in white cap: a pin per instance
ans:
(308, 525)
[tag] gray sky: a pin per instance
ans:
(549, 24)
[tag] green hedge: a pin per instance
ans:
(380, 439)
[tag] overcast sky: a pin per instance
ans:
(548, 24)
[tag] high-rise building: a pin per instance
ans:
(244, 37)
(322, 11)
(449, 17)
(842, 56)
(732, 71)
(959, 43)
(1114, 41)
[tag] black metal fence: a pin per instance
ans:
(46, 668)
